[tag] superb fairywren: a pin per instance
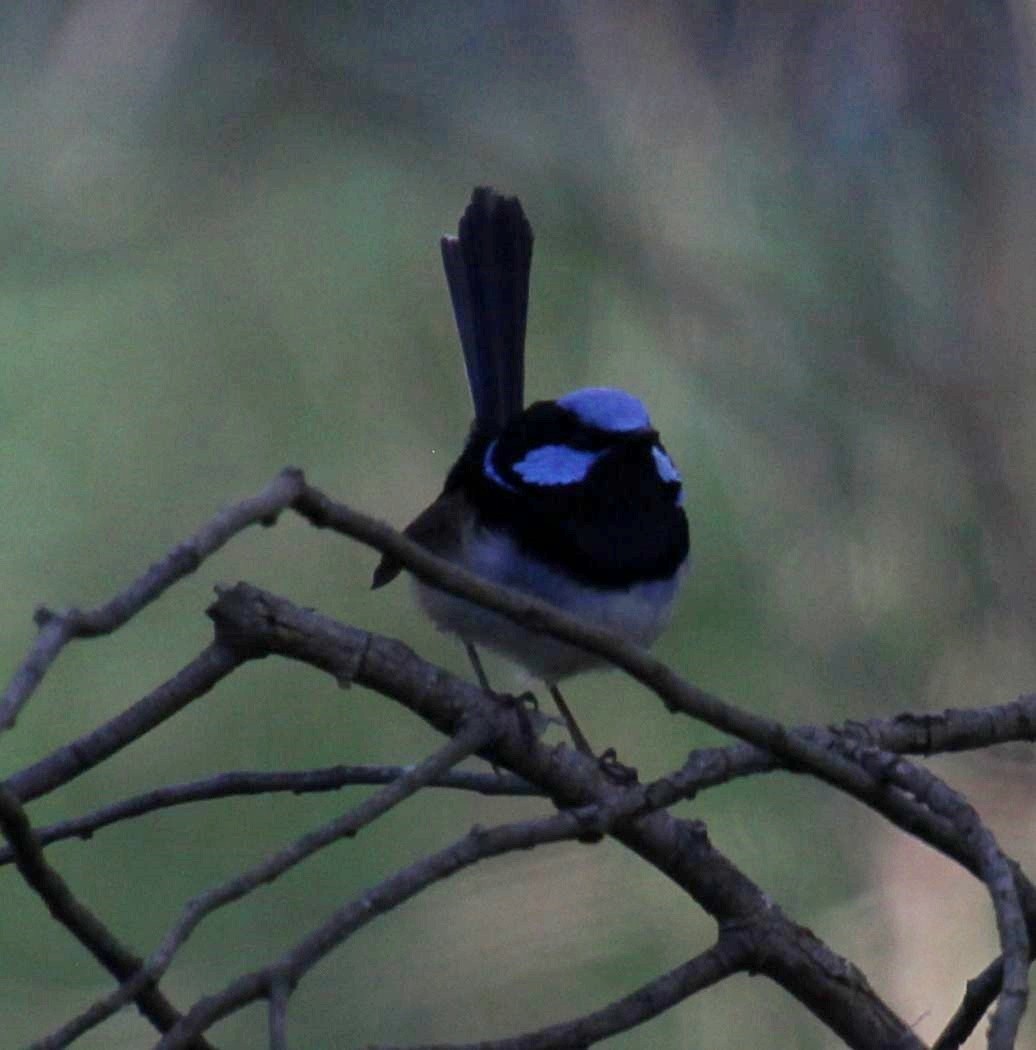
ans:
(574, 501)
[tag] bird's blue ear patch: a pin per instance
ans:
(555, 465)
(667, 471)
(664, 465)
(607, 409)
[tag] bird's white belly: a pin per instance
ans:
(638, 613)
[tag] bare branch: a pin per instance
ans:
(475, 735)
(924, 733)
(237, 783)
(55, 632)
(738, 949)
(955, 729)
(950, 730)
(250, 624)
(729, 955)
(979, 995)
(69, 761)
(827, 762)
(280, 992)
(62, 904)
(249, 621)
(477, 845)
(995, 871)
(796, 750)
(57, 629)
(803, 965)
(926, 806)
(946, 822)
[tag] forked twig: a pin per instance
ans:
(466, 742)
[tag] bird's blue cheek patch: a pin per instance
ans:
(555, 465)
(664, 465)
(667, 469)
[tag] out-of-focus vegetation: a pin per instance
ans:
(802, 232)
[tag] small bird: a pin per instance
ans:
(574, 501)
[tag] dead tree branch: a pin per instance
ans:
(866, 761)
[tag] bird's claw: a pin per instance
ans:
(527, 710)
(528, 699)
(614, 770)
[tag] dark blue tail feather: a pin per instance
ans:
(487, 267)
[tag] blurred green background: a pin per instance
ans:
(803, 233)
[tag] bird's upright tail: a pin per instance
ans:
(487, 268)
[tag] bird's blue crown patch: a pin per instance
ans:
(607, 409)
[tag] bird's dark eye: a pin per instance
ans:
(555, 465)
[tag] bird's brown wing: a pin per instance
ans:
(438, 528)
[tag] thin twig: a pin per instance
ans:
(238, 783)
(729, 955)
(954, 730)
(917, 733)
(280, 993)
(994, 870)
(54, 634)
(71, 760)
(931, 810)
(59, 628)
(979, 996)
(84, 926)
(478, 844)
(704, 768)
(468, 740)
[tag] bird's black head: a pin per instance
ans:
(583, 484)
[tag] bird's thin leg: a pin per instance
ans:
(608, 762)
(524, 702)
(577, 734)
(476, 663)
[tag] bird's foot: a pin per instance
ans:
(532, 721)
(528, 699)
(614, 770)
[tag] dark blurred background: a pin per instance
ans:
(803, 233)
